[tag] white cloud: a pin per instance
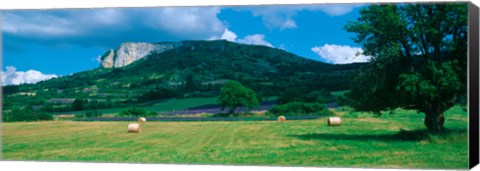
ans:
(14, 77)
(187, 21)
(283, 16)
(339, 54)
(109, 27)
(277, 16)
(256, 39)
(227, 35)
(37, 25)
(289, 24)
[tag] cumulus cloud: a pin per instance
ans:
(110, 26)
(14, 77)
(282, 17)
(277, 16)
(338, 54)
(189, 21)
(227, 35)
(254, 39)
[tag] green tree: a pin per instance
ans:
(26, 114)
(234, 95)
(418, 59)
(78, 104)
(135, 111)
(190, 84)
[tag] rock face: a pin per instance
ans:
(107, 59)
(130, 52)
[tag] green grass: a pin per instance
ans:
(395, 140)
(181, 104)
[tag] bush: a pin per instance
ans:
(135, 111)
(294, 95)
(25, 114)
(299, 109)
(160, 93)
(43, 116)
(92, 113)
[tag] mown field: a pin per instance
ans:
(394, 140)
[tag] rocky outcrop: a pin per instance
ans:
(107, 59)
(130, 52)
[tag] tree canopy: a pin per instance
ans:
(234, 95)
(418, 58)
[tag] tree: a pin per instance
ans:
(234, 95)
(133, 111)
(79, 104)
(25, 114)
(418, 59)
(190, 83)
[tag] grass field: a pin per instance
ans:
(396, 140)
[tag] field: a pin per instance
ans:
(394, 140)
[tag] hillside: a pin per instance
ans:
(183, 69)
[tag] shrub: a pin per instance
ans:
(26, 114)
(43, 116)
(135, 111)
(294, 95)
(299, 109)
(92, 113)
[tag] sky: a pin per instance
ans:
(44, 44)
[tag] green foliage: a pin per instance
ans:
(234, 95)
(10, 89)
(299, 109)
(418, 58)
(25, 114)
(92, 113)
(303, 95)
(137, 112)
(79, 104)
(288, 96)
(161, 93)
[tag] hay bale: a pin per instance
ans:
(142, 120)
(281, 119)
(134, 128)
(334, 121)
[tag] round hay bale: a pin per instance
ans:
(142, 120)
(281, 119)
(134, 128)
(334, 121)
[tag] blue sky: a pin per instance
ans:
(42, 44)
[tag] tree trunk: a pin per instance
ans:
(434, 122)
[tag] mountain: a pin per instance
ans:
(137, 73)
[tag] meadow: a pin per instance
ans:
(397, 139)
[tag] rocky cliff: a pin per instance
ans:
(130, 52)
